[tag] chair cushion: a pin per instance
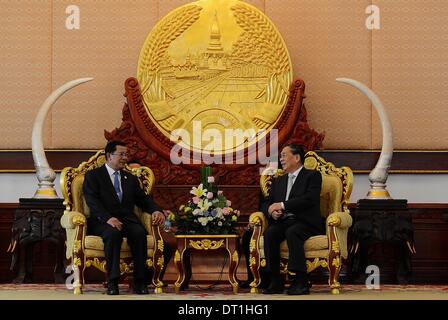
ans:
(93, 253)
(315, 243)
(96, 243)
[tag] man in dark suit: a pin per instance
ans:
(294, 214)
(111, 195)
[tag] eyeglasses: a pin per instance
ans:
(121, 154)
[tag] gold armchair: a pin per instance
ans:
(320, 251)
(85, 250)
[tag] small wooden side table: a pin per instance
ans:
(230, 242)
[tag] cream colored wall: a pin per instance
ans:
(404, 62)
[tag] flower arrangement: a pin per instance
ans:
(207, 212)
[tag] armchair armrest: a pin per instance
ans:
(258, 219)
(74, 224)
(341, 220)
(337, 231)
(72, 219)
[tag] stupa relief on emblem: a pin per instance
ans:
(220, 63)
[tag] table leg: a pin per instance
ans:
(179, 262)
(234, 261)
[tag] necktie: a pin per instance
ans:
(117, 185)
(289, 187)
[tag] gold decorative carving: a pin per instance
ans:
(252, 261)
(160, 245)
(335, 246)
(316, 263)
(149, 263)
(314, 162)
(252, 245)
(222, 63)
(100, 265)
(160, 261)
(79, 220)
(76, 246)
(125, 268)
(334, 221)
(177, 256)
(235, 256)
(256, 221)
(206, 244)
(336, 262)
(76, 261)
(266, 179)
(263, 262)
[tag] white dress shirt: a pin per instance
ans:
(295, 174)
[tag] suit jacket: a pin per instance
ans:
(103, 201)
(304, 198)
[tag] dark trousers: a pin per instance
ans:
(112, 238)
(295, 234)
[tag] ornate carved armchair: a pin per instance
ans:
(86, 250)
(323, 250)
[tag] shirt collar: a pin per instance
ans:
(295, 173)
(110, 170)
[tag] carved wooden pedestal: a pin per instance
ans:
(36, 220)
(382, 233)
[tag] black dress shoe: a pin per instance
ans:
(276, 289)
(112, 288)
(298, 290)
(140, 288)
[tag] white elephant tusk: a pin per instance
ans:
(45, 174)
(378, 176)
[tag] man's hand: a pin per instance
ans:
(276, 214)
(158, 217)
(115, 223)
(275, 207)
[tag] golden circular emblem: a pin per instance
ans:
(214, 71)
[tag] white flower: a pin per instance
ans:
(219, 213)
(210, 179)
(210, 218)
(220, 223)
(196, 212)
(199, 191)
(203, 221)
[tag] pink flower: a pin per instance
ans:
(226, 211)
(220, 192)
(229, 203)
(196, 200)
(211, 179)
(209, 195)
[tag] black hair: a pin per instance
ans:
(111, 146)
(297, 150)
